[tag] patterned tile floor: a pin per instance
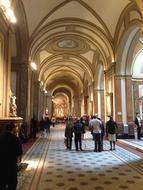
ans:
(133, 142)
(52, 167)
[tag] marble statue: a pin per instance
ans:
(13, 106)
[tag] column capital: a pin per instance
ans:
(98, 90)
(110, 69)
(119, 77)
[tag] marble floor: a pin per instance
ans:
(52, 167)
(134, 142)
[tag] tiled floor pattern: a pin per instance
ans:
(136, 143)
(34, 157)
(87, 170)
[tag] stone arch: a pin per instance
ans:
(124, 65)
(123, 50)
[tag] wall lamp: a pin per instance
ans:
(33, 66)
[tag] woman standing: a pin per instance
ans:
(111, 130)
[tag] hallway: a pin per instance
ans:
(52, 167)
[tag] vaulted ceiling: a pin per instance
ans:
(70, 38)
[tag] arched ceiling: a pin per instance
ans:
(94, 11)
(69, 38)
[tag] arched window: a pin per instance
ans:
(138, 65)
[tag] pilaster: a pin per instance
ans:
(129, 98)
(22, 90)
(118, 103)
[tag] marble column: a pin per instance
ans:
(86, 104)
(36, 94)
(118, 99)
(95, 101)
(22, 90)
(129, 98)
(99, 103)
(41, 103)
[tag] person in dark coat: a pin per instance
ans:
(47, 125)
(41, 125)
(69, 133)
(34, 126)
(111, 130)
(10, 151)
(78, 130)
(138, 123)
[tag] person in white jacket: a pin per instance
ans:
(95, 126)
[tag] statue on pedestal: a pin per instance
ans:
(13, 106)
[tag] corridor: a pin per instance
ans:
(52, 167)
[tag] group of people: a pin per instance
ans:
(43, 125)
(78, 127)
(11, 147)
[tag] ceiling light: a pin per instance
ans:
(5, 4)
(41, 83)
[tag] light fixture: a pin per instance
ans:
(41, 83)
(5, 5)
(33, 66)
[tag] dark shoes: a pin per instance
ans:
(97, 150)
(78, 149)
(112, 149)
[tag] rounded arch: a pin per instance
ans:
(58, 61)
(125, 50)
(55, 74)
(87, 30)
(63, 86)
(22, 34)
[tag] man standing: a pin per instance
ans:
(10, 151)
(78, 130)
(95, 126)
(138, 123)
(34, 126)
(69, 133)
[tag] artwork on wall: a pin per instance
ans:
(60, 108)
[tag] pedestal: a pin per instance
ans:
(16, 120)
